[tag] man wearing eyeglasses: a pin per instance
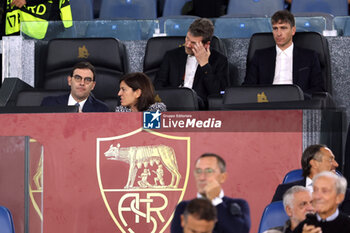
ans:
(233, 215)
(82, 82)
(315, 159)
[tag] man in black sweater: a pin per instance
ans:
(329, 192)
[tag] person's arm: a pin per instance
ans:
(252, 71)
(212, 68)
(233, 216)
(215, 75)
(317, 83)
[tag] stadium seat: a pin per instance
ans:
(34, 97)
(274, 215)
(106, 54)
(258, 7)
(157, 47)
(297, 174)
(6, 221)
(179, 99)
(82, 10)
(293, 175)
(173, 7)
(132, 9)
(262, 94)
(241, 27)
(308, 40)
(334, 7)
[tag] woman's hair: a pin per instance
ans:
(141, 81)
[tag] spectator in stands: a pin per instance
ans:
(199, 216)
(82, 82)
(315, 159)
(297, 202)
(285, 63)
(210, 174)
(329, 192)
(137, 94)
(19, 11)
(195, 66)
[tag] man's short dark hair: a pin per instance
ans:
(283, 16)
(201, 209)
(312, 152)
(84, 65)
(202, 27)
(221, 161)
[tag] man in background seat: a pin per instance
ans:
(329, 192)
(199, 216)
(297, 202)
(195, 65)
(285, 63)
(233, 215)
(315, 159)
(82, 82)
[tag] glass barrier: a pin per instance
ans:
(21, 183)
(120, 29)
(129, 29)
(310, 24)
(241, 27)
(342, 25)
(177, 26)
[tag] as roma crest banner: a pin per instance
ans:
(141, 179)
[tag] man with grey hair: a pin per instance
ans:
(329, 192)
(297, 202)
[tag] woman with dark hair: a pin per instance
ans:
(137, 94)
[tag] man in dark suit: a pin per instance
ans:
(285, 63)
(233, 214)
(315, 159)
(195, 66)
(82, 82)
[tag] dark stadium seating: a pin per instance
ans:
(262, 93)
(179, 99)
(106, 54)
(34, 97)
